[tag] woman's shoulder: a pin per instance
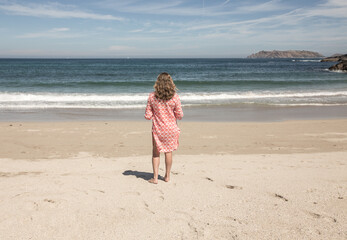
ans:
(176, 96)
(151, 95)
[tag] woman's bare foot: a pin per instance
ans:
(166, 178)
(154, 181)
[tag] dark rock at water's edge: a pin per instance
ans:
(286, 54)
(335, 58)
(341, 66)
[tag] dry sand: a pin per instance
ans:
(88, 180)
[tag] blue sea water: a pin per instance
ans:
(126, 83)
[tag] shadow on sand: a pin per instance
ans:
(144, 175)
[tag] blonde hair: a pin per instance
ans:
(164, 87)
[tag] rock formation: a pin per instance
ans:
(286, 54)
(335, 58)
(341, 66)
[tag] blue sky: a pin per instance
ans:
(175, 28)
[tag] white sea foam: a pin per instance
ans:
(334, 71)
(46, 106)
(142, 97)
(258, 95)
(308, 104)
(337, 71)
(308, 60)
(72, 97)
(138, 100)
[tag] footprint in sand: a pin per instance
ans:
(160, 193)
(236, 220)
(316, 215)
(281, 197)
(233, 187)
(186, 217)
(147, 207)
(36, 206)
(158, 190)
(185, 214)
(14, 174)
(133, 193)
(97, 190)
(210, 179)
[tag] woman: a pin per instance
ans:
(164, 108)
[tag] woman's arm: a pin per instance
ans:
(178, 109)
(149, 111)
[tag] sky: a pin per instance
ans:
(175, 28)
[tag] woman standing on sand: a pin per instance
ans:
(164, 108)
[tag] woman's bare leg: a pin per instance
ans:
(168, 164)
(155, 162)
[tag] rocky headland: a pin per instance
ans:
(341, 65)
(286, 54)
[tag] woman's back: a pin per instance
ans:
(164, 108)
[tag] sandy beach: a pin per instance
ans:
(258, 90)
(230, 180)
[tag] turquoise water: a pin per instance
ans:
(125, 83)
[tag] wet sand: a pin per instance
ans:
(214, 113)
(42, 140)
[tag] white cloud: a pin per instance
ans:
(53, 11)
(159, 31)
(60, 29)
(22, 52)
(337, 3)
(120, 48)
(104, 28)
(232, 25)
(331, 8)
(272, 5)
(136, 30)
(145, 7)
(246, 23)
(52, 33)
(180, 8)
(335, 9)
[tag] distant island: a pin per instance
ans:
(286, 54)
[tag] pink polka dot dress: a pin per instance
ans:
(164, 115)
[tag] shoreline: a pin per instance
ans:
(217, 113)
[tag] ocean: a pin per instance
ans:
(29, 84)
